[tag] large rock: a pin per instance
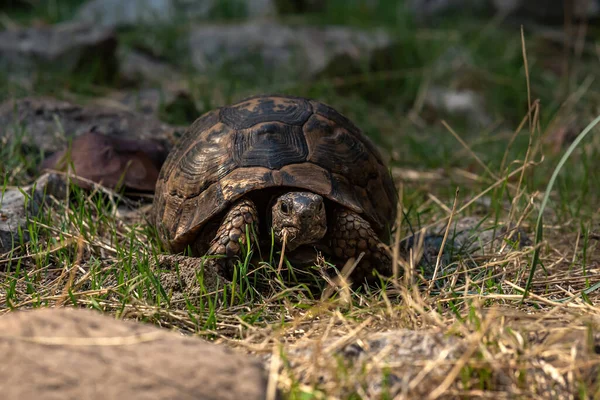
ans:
(19, 205)
(303, 52)
(81, 354)
(70, 47)
(48, 123)
(118, 13)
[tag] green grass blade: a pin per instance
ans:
(539, 225)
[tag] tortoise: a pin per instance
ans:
(280, 163)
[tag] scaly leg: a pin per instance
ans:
(231, 235)
(351, 235)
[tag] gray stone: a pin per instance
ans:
(473, 235)
(464, 103)
(376, 362)
(138, 67)
(411, 364)
(247, 8)
(467, 237)
(19, 205)
(49, 123)
(118, 13)
(82, 354)
(68, 46)
(303, 51)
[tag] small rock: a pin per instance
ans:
(465, 103)
(377, 361)
(411, 364)
(78, 353)
(406, 345)
(17, 206)
(476, 236)
(49, 123)
(110, 161)
(138, 67)
(243, 8)
(118, 13)
(70, 47)
(404, 349)
(468, 236)
(305, 51)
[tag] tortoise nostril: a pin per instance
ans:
(305, 216)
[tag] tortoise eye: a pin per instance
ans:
(285, 208)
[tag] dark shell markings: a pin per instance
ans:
(265, 142)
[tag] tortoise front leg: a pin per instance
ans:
(178, 274)
(351, 235)
(231, 236)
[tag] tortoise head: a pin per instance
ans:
(301, 216)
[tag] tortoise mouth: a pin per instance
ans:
(289, 233)
(295, 239)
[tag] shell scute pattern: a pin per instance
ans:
(267, 141)
(336, 149)
(204, 163)
(269, 144)
(189, 138)
(340, 120)
(255, 110)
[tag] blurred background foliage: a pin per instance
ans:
(397, 68)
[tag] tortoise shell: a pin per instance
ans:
(263, 142)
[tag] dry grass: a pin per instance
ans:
(470, 335)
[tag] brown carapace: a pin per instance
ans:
(273, 161)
